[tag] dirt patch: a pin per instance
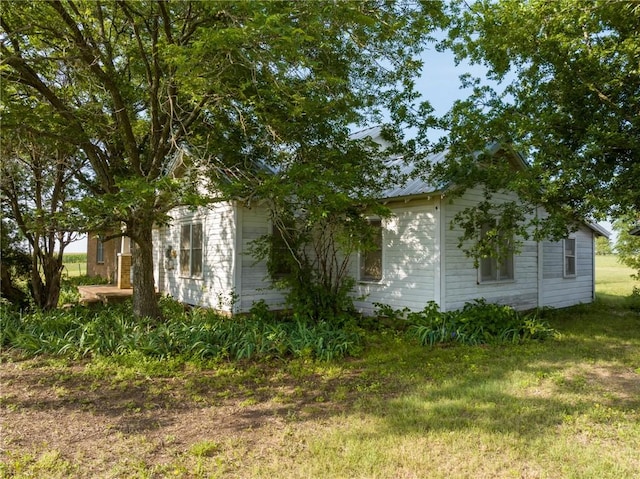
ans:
(608, 384)
(226, 421)
(622, 385)
(106, 423)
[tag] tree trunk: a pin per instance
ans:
(8, 291)
(46, 292)
(52, 268)
(145, 300)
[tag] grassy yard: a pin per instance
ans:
(612, 278)
(75, 264)
(73, 270)
(568, 407)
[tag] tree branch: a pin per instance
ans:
(89, 57)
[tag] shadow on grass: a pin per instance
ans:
(526, 390)
(527, 401)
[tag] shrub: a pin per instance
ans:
(633, 301)
(84, 280)
(478, 322)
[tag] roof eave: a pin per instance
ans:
(598, 230)
(412, 197)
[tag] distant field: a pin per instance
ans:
(75, 258)
(612, 277)
(75, 264)
(74, 269)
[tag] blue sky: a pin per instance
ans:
(440, 85)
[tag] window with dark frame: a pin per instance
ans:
(497, 268)
(371, 261)
(569, 248)
(99, 251)
(191, 250)
(280, 266)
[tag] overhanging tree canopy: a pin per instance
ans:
(568, 98)
(237, 82)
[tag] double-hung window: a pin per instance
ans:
(191, 250)
(371, 260)
(569, 254)
(500, 266)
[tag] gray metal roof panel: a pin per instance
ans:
(598, 229)
(415, 185)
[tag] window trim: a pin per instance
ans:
(190, 274)
(511, 261)
(565, 274)
(362, 258)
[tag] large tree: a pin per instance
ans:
(37, 186)
(232, 83)
(562, 87)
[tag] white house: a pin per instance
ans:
(202, 258)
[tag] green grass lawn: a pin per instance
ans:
(73, 270)
(568, 407)
(613, 278)
(75, 264)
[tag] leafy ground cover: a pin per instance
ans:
(185, 334)
(568, 406)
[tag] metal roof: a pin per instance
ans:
(599, 230)
(414, 185)
(373, 132)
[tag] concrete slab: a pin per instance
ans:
(103, 293)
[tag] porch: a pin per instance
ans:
(103, 293)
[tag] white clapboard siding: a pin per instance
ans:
(253, 283)
(460, 280)
(409, 257)
(157, 237)
(558, 291)
(215, 288)
(421, 262)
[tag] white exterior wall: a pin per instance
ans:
(460, 281)
(253, 283)
(410, 259)
(558, 291)
(214, 289)
(420, 255)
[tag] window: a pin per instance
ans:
(569, 247)
(191, 250)
(99, 251)
(371, 261)
(279, 266)
(500, 268)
